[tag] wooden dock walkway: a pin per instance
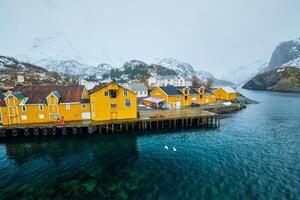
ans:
(147, 120)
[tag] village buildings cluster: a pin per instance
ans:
(115, 100)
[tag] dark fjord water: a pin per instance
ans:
(254, 155)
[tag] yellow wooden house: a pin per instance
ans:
(225, 94)
(177, 97)
(113, 101)
(45, 104)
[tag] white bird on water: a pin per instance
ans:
(174, 149)
(166, 147)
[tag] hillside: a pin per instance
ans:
(286, 54)
(10, 68)
(136, 69)
(285, 79)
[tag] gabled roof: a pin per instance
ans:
(18, 95)
(99, 87)
(229, 89)
(57, 94)
(38, 94)
(171, 90)
(154, 99)
(137, 86)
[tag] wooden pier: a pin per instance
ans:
(147, 120)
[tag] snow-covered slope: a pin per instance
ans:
(58, 54)
(286, 54)
(179, 67)
(242, 74)
(187, 69)
(10, 68)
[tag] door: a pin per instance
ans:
(53, 112)
(53, 108)
(85, 115)
(13, 114)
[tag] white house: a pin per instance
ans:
(175, 80)
(139, 88)
(88, 84)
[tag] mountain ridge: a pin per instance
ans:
(10, 68)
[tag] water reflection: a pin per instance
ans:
(90, 167)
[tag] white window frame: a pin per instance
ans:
(83, 106)
(125, 92)
(41, 107)
(23, 117)
(23, 108)
(68, 106)
(41, 116)
(111, 105)
(125, 101)
(106, 93)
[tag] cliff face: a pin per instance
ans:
(286, 54)
(285, 79)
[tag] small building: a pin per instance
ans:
(154, 102)
(45, 104)
(87, 83)
(174, 80)
(20, 80)
(122, 82)
(226, 94)
(139, 88)
(177, 97)
(113, 101)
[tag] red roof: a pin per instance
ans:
(38, 94)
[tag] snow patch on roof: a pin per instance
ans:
(229, 89)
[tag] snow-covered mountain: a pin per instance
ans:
(58, 54)
(10, 69)
(286, 54)
(179, 67)
(187, 69)
(73, 67)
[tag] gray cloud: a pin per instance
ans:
(212, 35)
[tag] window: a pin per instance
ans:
(83, 106)
(41, 116)
(24, 117)
(186, 91)
(125, 93)
(24, 108)
(106, 93)
(127, 103)
(41, 107)
(185, 98)
(113, 94)
(201, 96)
(68, 107)
(113, 105)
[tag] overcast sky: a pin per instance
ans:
(212, 35)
